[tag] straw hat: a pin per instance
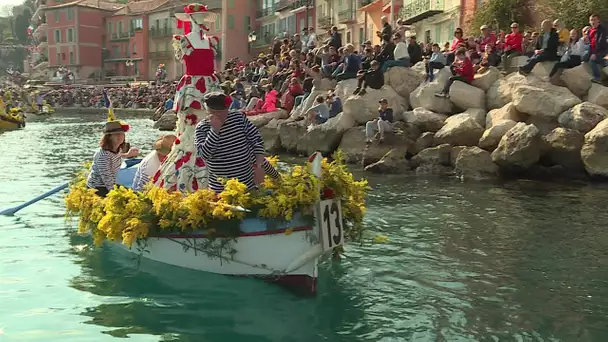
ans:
(200, 13)
(164, 143)
(113, 127)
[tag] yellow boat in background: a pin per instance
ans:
(12, 120)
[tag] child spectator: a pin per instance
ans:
(383, 124)
(437, 61)
(462, 70)
(318, 114)
(373, 78)
(573, 55)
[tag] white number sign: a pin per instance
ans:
(330, 221)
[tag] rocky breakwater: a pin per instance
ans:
(498, 126)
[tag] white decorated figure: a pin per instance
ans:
(183, 170)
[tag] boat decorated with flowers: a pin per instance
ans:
(11, 119)
(278, 233)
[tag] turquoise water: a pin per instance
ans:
(521, 261)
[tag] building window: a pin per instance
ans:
(157, 47)
(166, 23)
(247, 23)
(134, 49)
(218, 23)
(127, 51)
(230, 22)
(120, 27)
(57, 36)
(72, 60)
(115, 52)
(70, 13)
(361, 35)
(58, 58)
(348, 37)
(70, 35)
(110, 28)
(57, 15)
(230, 3)
(438, 34)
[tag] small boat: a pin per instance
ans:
(284, 252)
(11, 122)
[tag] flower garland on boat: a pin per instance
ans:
(126, 216)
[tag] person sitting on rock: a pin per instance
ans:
(335, 104)
(367, 58)
(546, 48)
(331, 60)
(437, 61)
(457, 42)
(598, 47)
(488, 59)
(351, 64)
(373, 78)
(387, 51)
(414, 50)
(462, 70)
(400, 54)
(317, 114)
(573, 55)
(151, 163)
(563, 34)
(383, 124)
(294, 89)
(513, 46)
(237, 101)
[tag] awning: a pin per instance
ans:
(387, 9)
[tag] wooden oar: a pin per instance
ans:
(11, 211)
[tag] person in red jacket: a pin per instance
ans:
(513, 45)
(462, 70)
(456, 43)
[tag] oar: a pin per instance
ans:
(11, 211)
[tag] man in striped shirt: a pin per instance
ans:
(231, 145)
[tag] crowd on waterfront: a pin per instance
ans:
(285, 75)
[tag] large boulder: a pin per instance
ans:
(519, 148)
(466, 96)
(425, 140)
(459, 130)
(424, 95)
(598, 94)
(301, 110)
(543, 69)
(563, 147)
(167, 121)
(438, 155)
(357, 151)
(324, 138)
(270, 135)
(475, 163)
(506, 112)
(478, 114)
(345, 88)
(500, 93)
(263, 119)
(583, 117)
(491, 137)
(425, 120)
(365, 108)
(577, 79)
(549, 101)
(403, 80)
(594, 152)
(485, 80)
(544, 124)
(392, 161)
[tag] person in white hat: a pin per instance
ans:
(182, 170)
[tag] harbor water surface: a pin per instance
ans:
(464, 261)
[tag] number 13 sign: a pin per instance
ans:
(330, 221)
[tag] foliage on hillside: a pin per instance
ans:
(575, 14)
(499, 14)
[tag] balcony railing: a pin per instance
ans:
(347, 16)
(161, 32)
(262, 40)
(160, 54)
(417, 10)
(265, 12)
(283, 5)
(302, 3)
(325, 21)
(120, 36)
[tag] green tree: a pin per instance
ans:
(575, 14)
(499, 14)
(22, 16)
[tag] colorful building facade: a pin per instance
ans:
(434, 20)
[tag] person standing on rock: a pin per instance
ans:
(598, 47)
(546, 48)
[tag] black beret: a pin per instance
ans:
(216, 100)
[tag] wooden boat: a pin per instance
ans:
(283, 252)
(8, 123)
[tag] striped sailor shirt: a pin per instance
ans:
(104, 169)
(231, 153)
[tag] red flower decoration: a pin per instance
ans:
(194, 184)
(200, 162)
(173, 188)
(228, 101)
(201, 85)
(162, 183)
(125, 127)
(195, 105)
(187, 157)
(156, 176)
(328, 193)
(177, 141)
(191, 119)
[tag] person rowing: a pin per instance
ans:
(231, 145)
(107, 160)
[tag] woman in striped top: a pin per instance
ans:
(230, 145)
(151, 163)
(107, 160)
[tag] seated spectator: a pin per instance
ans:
(529, 43)
(238, 86)
(457, 42)
(237, 101)
(351, 65)
(462, 70)
(331, 60)
(513, 46)
(564, 36)
(573, 55)
(335, 104)
(368, 57)
(387, 50)
(414, 50)
(472, 47)
(598, 47)
(400, 55)
(486, 38)
(488, 59)
(317, 114)
(294, 89)
(373, 78)
(437, 61)
(383, 124)
(546, 48)
(269, 104)
(446, 48)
